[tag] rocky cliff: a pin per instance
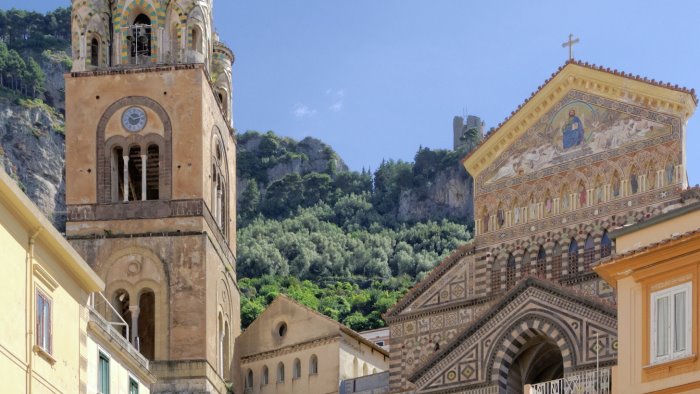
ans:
(32, 152)
(448, 196)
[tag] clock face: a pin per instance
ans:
(134, 119)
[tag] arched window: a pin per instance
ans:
(525, 263)
(196, 39)
(121, 304)
(589, 252)
(147, 324)
(365, 370)
(296, 374)
(249, 379)
(135, 174)
(153, 172)
(573, 257)
(280, 373)
(265, 376)
(174, 43)
(313, 365)
(605, 245)
(95, 52)
(140, 39)
(495, 274)
(220, 341)
(541, 263)
(226, 351)
(219, 207)
(556, 261)
(355, 366)
(510, 271)
(118, 185)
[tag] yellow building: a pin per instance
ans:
(45, 286)
(656, 276)
(290, 348)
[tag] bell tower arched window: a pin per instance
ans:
(94, 52)
(140, 40)
(196, 39)
(219, 194)
(135, 172)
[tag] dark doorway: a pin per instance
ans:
(538, 360)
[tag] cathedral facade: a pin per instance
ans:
(593, 149)
(150, 181)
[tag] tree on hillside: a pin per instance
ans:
(35, 78)
(4, 56)
(16, 68)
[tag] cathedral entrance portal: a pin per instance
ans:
(537, 360)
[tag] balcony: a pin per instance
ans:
(590, 382)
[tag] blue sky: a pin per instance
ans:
(378, 78)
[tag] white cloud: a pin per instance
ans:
(302, 111)
(337, 99)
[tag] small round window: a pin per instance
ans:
(282, 329)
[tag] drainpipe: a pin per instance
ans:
(29, 309)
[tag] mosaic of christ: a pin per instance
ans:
(577, 129)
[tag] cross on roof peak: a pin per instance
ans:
(570, 43)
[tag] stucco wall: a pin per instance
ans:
(65, 374)
(119, 374)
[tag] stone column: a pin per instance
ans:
(126, 178)
(144, 159)
(134, 309)
(220, 199)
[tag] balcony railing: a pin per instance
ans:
(594, 382)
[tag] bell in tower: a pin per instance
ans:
(151, 178)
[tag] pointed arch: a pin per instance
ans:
(557, 256)
(589, 252)
(573, 256)
(510, 271)
(605, 245)
(541, 262)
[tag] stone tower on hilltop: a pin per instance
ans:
(150, 180)
(459, 129)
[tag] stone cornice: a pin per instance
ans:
(290, 349)
(602, 82)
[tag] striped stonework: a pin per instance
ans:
(529, 215)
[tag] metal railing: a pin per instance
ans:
(594, 382)
(94, 305)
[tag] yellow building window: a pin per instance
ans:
(43, 322)
(671, 317)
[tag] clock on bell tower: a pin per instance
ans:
(151, 178)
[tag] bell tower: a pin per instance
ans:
(151, 178)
